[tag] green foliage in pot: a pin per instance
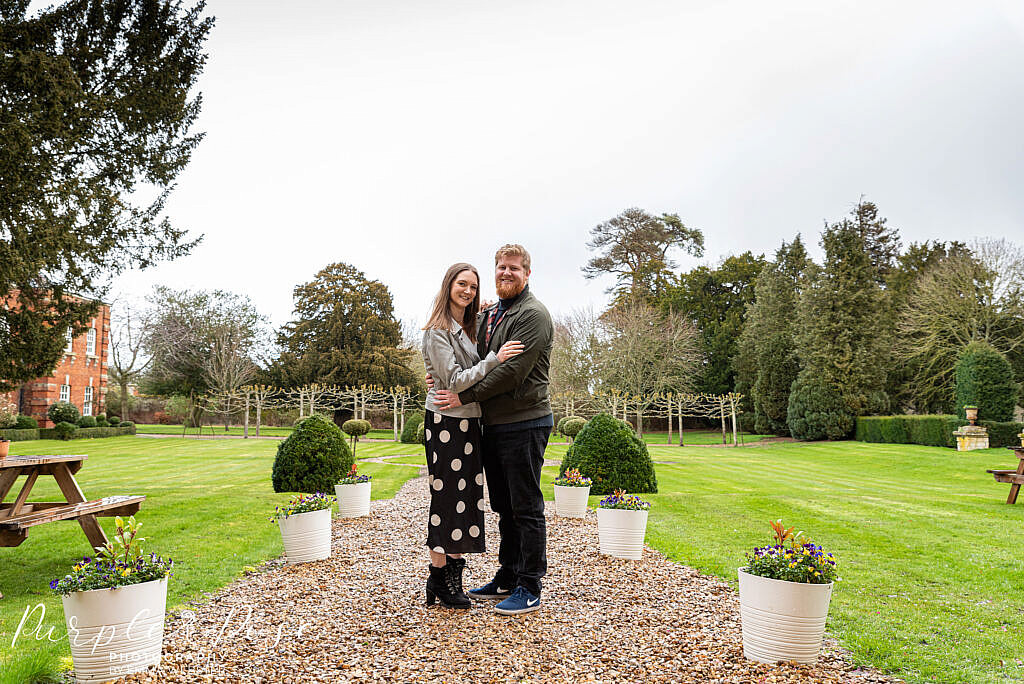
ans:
(792, 558)
(412, 423)
(65, 430)
(612, 456)
(63, 412)
(984, 380)
(312, 458)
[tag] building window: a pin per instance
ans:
(71, 340)
(65, 392)
(90, 342)
(87, 406)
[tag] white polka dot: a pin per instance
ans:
(469, 448)
(474, 531)
(456, 534)
(460, 507)
(437, 549)
(435, 520)
(435, 457)
(437, 418)
(437, 484)
(480, 479)
(462, 484)
(456, 464)
(464, 425)
(480, 504)
(430, 480)
(444, 436)
(428, 434)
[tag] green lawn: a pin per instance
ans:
(931, 557)
(207, 507)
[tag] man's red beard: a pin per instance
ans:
(508, 290)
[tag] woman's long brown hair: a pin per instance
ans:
(440, 313)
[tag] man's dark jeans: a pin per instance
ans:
(512, 463)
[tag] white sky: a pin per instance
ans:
(404, 136)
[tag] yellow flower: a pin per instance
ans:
(77, 567)
(125, 572)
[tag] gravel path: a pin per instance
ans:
(360, 616)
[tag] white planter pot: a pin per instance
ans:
(113, 632)
(571, 502)
(306, 536)
(782, 620)
(353, 499)
(621, 532)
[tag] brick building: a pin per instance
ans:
(80, 376)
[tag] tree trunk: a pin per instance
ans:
(124, 400)
(669, 397)
(722, 407)
(245, 428)
(259, 412)
(679, 412)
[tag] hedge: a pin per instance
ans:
(931, 430)
(88, 433)
(15, 435)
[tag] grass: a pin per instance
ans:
(207, 508)
(930, 555)
(235, 431)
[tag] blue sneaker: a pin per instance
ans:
(491, 591)
(521, 601)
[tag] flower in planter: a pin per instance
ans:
(118, 564)
(624, 502)
(353, 478)
(792, 557)
(573, 478)
(303, 504)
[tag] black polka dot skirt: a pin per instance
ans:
(456, 523)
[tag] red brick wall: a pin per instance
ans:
(78, 369)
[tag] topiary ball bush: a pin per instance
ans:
(26, 423)
(611, 455)
(355, 427)
(113, 421)
(87, 422)
(101, 421)
(984, 378)
(65, 430)
(312, 458)
(816, 411)
(63, 412)
(571, 426)
(412, 424)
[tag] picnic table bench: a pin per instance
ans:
(19, 515)
(1014, 477)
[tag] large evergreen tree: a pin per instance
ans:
(770, 334)
(842, 341)
(95, 124)
(344, 333)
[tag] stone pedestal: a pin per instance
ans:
(971, 437)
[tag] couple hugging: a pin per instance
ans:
(487, 412)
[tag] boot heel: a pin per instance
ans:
(430, 598)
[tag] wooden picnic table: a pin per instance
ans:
(1014, 477)
(19, 515)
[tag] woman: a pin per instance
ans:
(456, 524)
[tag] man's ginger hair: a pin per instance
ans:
(513, 250)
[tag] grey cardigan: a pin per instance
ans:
(454, 364)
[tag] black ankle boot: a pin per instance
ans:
(440, 586)
(455, 567)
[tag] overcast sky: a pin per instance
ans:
(404, 136)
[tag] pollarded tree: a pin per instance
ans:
(96, 121)
(842, 341)
(634, 247)
(344, 333)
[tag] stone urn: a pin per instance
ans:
(972, 414)
(1021, 436)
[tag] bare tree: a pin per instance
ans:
(645, 353)
(574, 359)
(129, 325)
(226, 369)
(256, 397)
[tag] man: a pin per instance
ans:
(517, 423)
